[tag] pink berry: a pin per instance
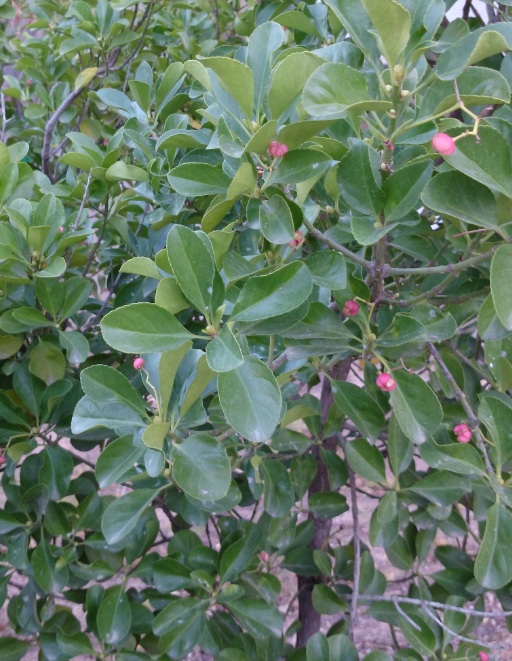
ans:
(444, 144)
(460, 428)
(351, 308)
(483, 656)
(385, 382)
(138, 363)
(281, 151)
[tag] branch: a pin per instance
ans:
(461, 398)
(357, 543)
(447, 268)
(317, 234)
(394, 598)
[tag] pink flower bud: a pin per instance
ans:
(443, 144)
(276, 149)
(264, 556)
(297, 241)
(61, 229)
(385, 382)
(460, 428)
(483, 656)
(464, 436)
(351, 308)
(138, 363)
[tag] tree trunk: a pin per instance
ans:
(309, 618)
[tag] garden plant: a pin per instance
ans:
(255, 330)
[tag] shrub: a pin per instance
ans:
(239, 287)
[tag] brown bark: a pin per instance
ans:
(309, 618)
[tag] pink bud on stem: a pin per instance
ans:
(138, 363)
(443, 144)
(385, 382)
(277, 150)
(350, 308)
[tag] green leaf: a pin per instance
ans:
(487, 162)
(47, 362)
(114, 618)
(328, 269)
(193, 266)
(317, 646)
(289, 79)
(74, 644)
(299, 165)
(400, 448)
(251, 399)
(196, 179)
(495, 411)
(393, 24)
(360, 407)
(264, 41)
(143, 328)
(9, 345)
(455, 457)
(366, 460)
(404, 187)
(501, 284)
(359, 178)
(384, 521)
(335, 88)
(223, 353)
(259, 618)
(123, 514)
(141, 266)
(320, 323)
(404, 328)
(276, 220)
(416, 407)
(278, 490)
(180, 625)
(116, 460)
(441, 488)
(476, 46)
(236, 79)
(273, 294)
(123, 172)
(493, 564)
(473, 203)
(201, 467)
(104, 384)
(326, 602)
(237, 556)
(327, 504)
(76, 346)
(354, 18)
(13, 649)
(489, 325)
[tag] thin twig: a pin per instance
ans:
(459, 636)
(317, 234)
(3, 132)
(462, 399)
(393, 598)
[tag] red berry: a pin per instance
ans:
(444, 144)
(351, 308)
(138, 363)
(385, 382)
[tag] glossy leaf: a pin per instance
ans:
(123, 514)
(360, 407)
(416, 407)
(143, 328)
(201, 467)
(493, 565)
(501, 278)
(250, 399)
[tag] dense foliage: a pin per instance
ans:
(255, 263)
